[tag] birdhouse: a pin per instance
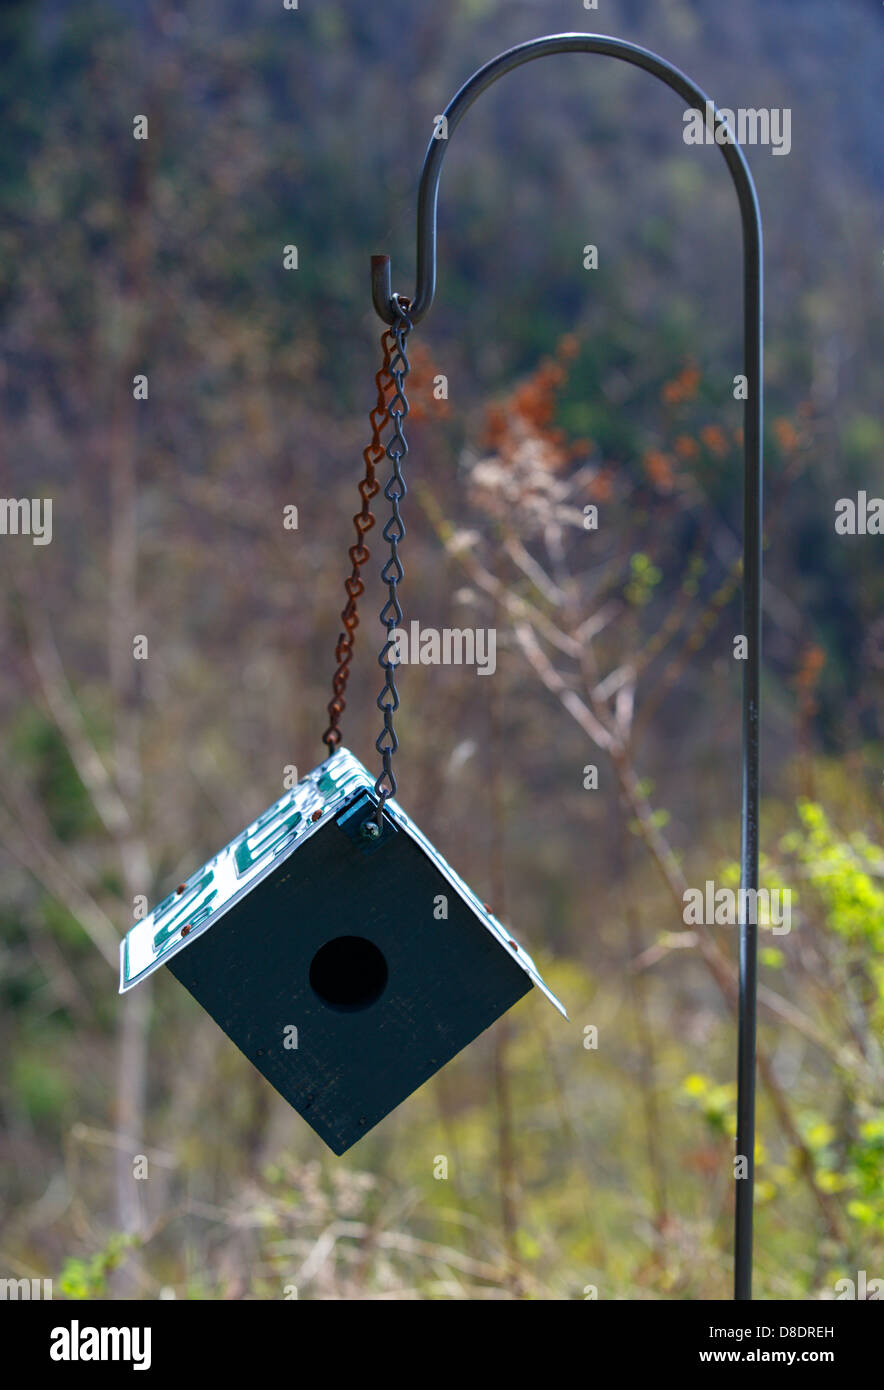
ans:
(346, 959)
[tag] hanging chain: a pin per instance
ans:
(359, 553)
(394, 531)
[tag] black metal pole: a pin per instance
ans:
(382, 295)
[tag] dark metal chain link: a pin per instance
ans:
(359, 554)
(391, 614)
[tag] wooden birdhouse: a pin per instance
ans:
(348, 961)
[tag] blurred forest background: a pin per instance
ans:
(568, 1166)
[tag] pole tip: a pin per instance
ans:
(382, 288)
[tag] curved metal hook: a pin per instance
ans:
(382, 294)
(693, 95)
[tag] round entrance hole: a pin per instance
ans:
(348, 973)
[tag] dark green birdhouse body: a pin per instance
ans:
(348, 969)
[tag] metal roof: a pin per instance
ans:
(195, 906)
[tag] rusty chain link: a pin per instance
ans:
(359, 553)
(390, 407)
